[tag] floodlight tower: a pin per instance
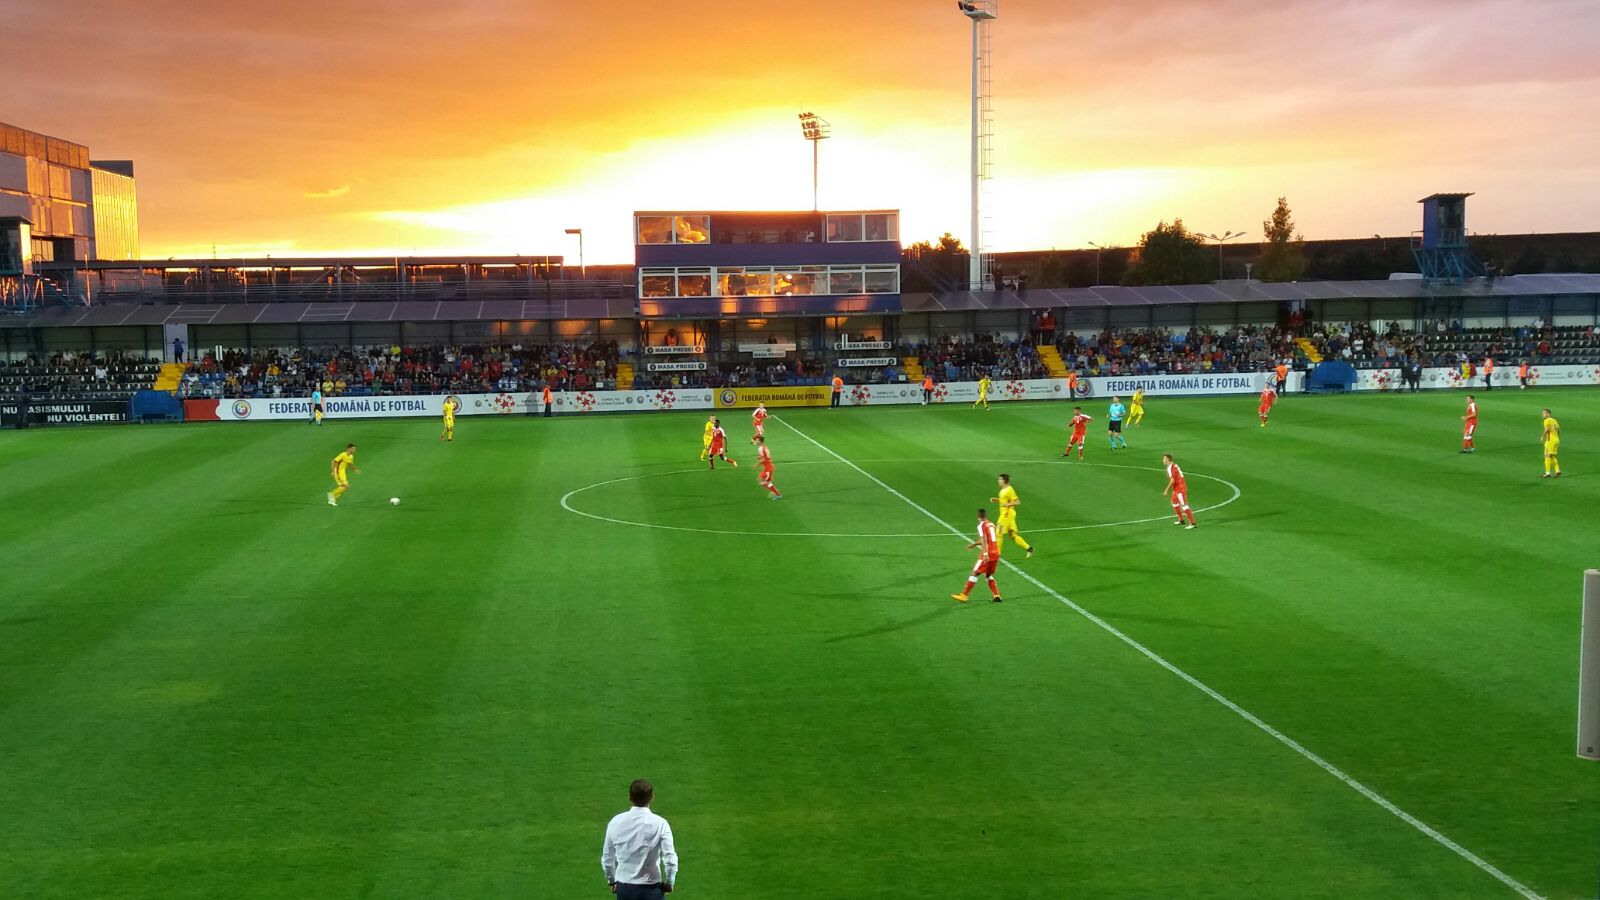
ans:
(816, 129)
(981, 12)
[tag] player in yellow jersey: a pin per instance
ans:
(449, 420)
(983, 393)
(705, 439)
(1552, 446)
(1136, 408)
(342, 464)
(1008, 503)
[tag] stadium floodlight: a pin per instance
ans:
(583, 270)
(1221, 239)
(981, 12)
(1097, 251)
(816, 130)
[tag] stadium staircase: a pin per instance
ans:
(171, 377)
(913, 367)
(1308, 348)
(1050, 355)
(624, 376)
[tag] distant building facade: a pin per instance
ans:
(58, 207)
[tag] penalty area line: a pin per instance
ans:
(1372, 795)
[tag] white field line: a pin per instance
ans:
(1201, 686)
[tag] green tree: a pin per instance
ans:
(1169, 254)
(1283, 256)
(1052, 271)
(928, 267)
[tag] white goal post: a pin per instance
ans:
(1589, 669)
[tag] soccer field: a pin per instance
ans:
(214, 685)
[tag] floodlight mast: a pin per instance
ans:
(981, 12)
(816, 130)
(1222, 239)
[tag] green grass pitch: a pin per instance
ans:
(212, 685)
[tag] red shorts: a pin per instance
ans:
(718, 449)
(985, 566)
(760, 428)
(1472, 425)
(1077, 438)
(1180, 499)
(766, 474)
(1263, 409)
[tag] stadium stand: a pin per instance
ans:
(84, 377)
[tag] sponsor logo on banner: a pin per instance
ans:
(817, 395)
(875, 362)
(505, 404)
(664, 350)
(676, 366)
(861, 395)
(1015, 390)
(844, 343)
(768, 353)
(241, 409)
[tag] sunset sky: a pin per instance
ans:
(479, 126)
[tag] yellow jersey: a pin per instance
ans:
(1552, 431)
(1008, 494)
(449, 412)
(983, 386)
(342, 462)
(710, 429)
(1138, 398)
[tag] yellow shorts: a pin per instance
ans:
(1136, 410)
(1007, 525)
(1551, 448)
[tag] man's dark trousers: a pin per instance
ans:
(640, 892)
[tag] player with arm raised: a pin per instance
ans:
(1080, 432)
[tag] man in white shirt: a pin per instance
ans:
(638, 858)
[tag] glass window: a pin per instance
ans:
(882, 227)
(693, 229)
(657, 283)
(694, 283)
(883, 280)
(792, 282)
(655, 229)
(758, 283)
(844, 228)
(730, 281)
(846, 281)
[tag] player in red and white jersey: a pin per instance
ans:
(1264, 409)
(759, 419)
(764, 477)
(1469, 424)
(1179, 491)
(719, 446)
(1080, 430)
(988, 558)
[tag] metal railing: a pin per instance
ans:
(358, 292)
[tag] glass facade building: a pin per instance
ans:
(767, 263)
(53, 186)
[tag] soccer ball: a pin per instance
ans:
(394, 501)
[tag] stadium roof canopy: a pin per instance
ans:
(1250, 292)
(511, 309)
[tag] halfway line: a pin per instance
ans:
(1238, 710)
